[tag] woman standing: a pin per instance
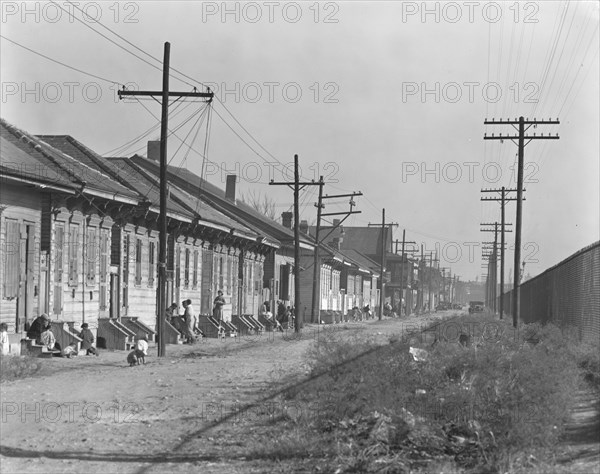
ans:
(188, 317)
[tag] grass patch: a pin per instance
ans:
(18, 367)
(485, 405)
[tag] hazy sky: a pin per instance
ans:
(388, 98)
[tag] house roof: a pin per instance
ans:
(192, 205)
(146, 185)
(26, 157)
(192, 183)
(362, 260)
(366, 240)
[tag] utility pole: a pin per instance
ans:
(520, 141)
(320, 205)
(296, 185)
(382, 284)
(493, 275)
(402, 272)
(430, 278)
(162, 247)
(421, 296)
(503, 199)
(315, 307)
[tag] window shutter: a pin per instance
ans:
(151, 267)
(91, 256)
(59, 238)
(186, 273)
(126, 258)
(195, 271)
(138, 261)
(12, 259)
(73, 255)
(103, 269)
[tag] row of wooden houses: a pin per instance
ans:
(79, 241)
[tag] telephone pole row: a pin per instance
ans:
(519, 140)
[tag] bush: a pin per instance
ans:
(18, 367)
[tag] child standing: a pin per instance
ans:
(4, 342)
(88, 340)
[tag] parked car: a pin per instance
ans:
(443, 306)
(476, 307)
(457, 306)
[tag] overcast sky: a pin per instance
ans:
(387, 98)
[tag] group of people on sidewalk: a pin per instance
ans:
(40, 331)
(285, 315)
(187, 323)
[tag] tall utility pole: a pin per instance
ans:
(493, 276)
(296, 185)
(430, 278)
(382, 284)
(382, 266)
(162, 246)
(402, 272)
(314, 306)
(520, 141)
(421, 295)
(318, 240)
(503, 200)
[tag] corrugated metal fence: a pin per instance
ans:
(567, 294)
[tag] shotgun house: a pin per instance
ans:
(346, 279)
(362, 247)
(360, 281)
(271, 272)
(203, 246)
(64, 212)
(217, 253)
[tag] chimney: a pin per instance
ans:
(335, 243)
(230, 187)
(304, 227)
(154, 150)
(286, 219)
(336, 222)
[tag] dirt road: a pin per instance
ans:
(181, 413)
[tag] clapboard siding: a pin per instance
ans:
(79, 267)
(141, 289)
(22, 206)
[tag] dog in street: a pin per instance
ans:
(136, 357)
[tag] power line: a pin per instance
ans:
(95, 76)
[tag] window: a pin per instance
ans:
(12, 259)
(90, 260)
(138, 261)
(151, 263)
(73, 255)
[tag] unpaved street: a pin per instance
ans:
(176, 414)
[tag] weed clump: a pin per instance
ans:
(18, 367)
(475, 404)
